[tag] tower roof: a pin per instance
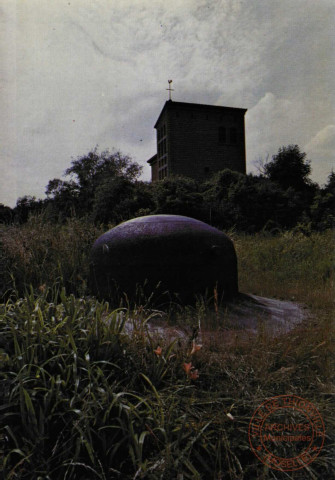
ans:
(171, 105)
(152, 159)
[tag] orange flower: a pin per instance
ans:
(195, 347)
(187, 367)
(158, 351)
(194, 375)
(190, 372)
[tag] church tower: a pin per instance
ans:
(198, 140)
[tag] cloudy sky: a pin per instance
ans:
(81, 73)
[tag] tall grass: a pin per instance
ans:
(38, 253)
(291, 266)
(80, 398)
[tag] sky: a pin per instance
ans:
(80, 73)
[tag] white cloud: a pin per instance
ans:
(79, 73)
(275, 122)
(270, 124)
(323, 141)
(321, 150)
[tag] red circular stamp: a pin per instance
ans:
(286, 432)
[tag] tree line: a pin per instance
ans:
(105, 187)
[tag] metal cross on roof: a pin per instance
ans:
(170, 89)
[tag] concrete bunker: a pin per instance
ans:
(174, 256)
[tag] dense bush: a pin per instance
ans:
(105, 188)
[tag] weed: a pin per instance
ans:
(82, 395)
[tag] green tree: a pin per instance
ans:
(62, 199)
(25, 206)
(289, 168)
(330, 185)
(178, 195)
(258, 203)
(6, 214)
(94, 166)
(90, 174)
(217, 187)
(221, 211)
(118, 199)
(251, 203)
(323, 207)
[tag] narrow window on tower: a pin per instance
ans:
(222, 135)
(233, 135)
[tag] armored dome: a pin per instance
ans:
(164, 253)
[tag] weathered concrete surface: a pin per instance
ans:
(181, 255)
(246, 316)
(251, 314)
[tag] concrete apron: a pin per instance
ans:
(253, 315)
(248, 315)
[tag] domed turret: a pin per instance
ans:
(164, 253)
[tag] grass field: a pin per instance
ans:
(83, 400)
